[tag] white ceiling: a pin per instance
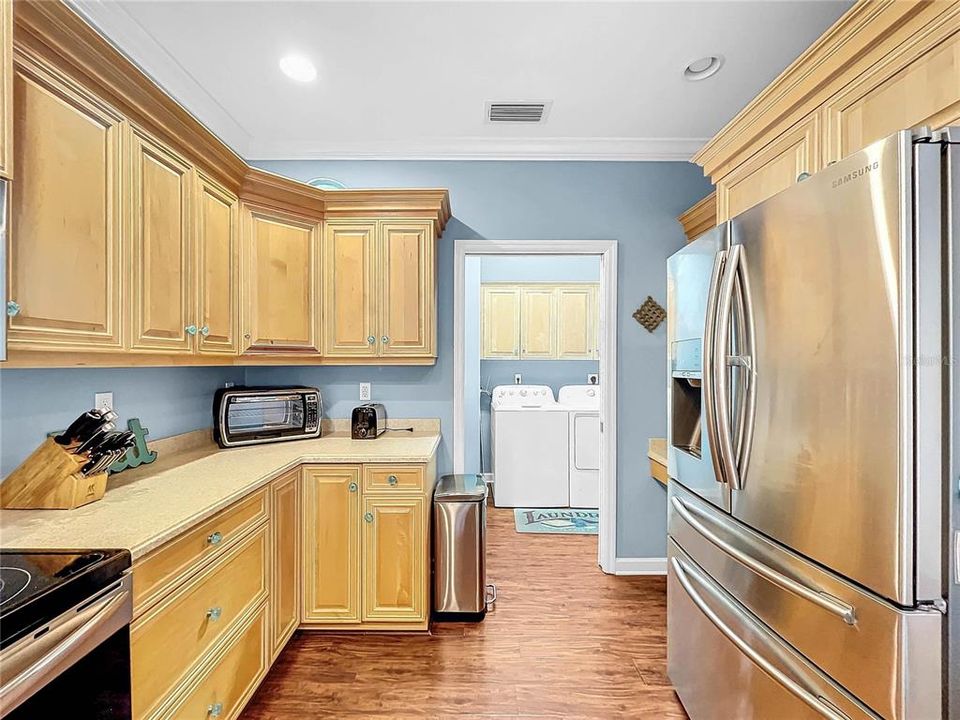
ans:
(411, 79)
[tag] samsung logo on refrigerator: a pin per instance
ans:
(855, 174)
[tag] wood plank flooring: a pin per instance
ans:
(565, 641)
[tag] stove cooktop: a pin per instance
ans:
(38, 585)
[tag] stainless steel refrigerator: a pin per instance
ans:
(812, 446)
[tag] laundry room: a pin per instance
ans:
(532, 353)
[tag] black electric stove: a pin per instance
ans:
(38, 585)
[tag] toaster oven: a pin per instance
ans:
(253, 415)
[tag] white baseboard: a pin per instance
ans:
(640, 566)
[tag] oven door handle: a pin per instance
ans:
(36, 662)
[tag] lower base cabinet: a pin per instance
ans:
(322, 547)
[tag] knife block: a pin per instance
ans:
(50, 479)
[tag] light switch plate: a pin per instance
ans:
(103, 400)
(365, 392)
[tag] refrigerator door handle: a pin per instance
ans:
(788, 678)
(721, 355)
(828, 602)
(747, 362)
(709, 350)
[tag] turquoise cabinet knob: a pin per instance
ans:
(392, 479)
(352, 487)
(385, 339)
(191, 329)
(368, 517)
(205, 330)
(215, 710)
(215, 538)
(13, 308)
(214, 613)
(371, 339)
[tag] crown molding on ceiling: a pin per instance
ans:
(121, 30)
(481, 148)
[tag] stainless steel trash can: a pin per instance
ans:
(459, 547)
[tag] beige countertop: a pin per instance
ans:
(191, 480)
(657, 450)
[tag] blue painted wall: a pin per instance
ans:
(168, 401)
(633, 203)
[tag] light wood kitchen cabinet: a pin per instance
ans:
(538, 323)
(65, 253)
(394, 561)
(918, 85)
(350, 327)
(217, 232)
(6, 88)
(775, 168)
(162, 289)
(500, 322)
(577, 321)
(407, 296)
(280, 282)
(379, 297)
(331, 543)
(285, 515)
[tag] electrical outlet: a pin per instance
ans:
(365, 392)
(518, 379)
(103, 401)
(593, 379)
(228, 384)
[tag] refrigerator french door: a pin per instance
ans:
(824, 377)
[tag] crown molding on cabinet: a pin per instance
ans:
(811, 79)
(700, 218)
(627, 149)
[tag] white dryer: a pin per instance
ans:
(530, 447)
(583, 404)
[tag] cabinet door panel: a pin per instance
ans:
(65, 257)
(918, 86)
(280, 282)
(350, 320)
(406, 289)
(501, 322)
(576, 319)
(331, 544)
(771, 170)
(163, 303)
(218, 258)
(538, 324)
(285, 554)
(393, 559)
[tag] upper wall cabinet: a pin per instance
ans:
(217, 231)
(500, 322)
(138, 238)
(163, 298)
(578, 321)
(65, 253)
(280, 282)
(379, 297)
(882, 67)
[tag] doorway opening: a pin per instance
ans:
(535, 352)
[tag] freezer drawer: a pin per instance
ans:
(887, 657)
(726, 664)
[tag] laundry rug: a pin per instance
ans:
(568, 521)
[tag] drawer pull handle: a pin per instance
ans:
(214, 613)
(215, 538)
(215, 710)
(352, 487)
(392, 479)
(368, 517)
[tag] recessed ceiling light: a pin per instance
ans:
(298, 67)
(703, 68)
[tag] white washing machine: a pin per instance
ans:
(583, 404)
(530, 447)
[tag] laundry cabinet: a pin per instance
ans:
(379, 290)
(366, 542)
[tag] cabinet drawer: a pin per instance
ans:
(392, 477)
(170, 563)
(167, 641)
(232, 677)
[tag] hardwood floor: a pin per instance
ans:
(565, 641)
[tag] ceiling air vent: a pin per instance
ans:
(517, 112)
